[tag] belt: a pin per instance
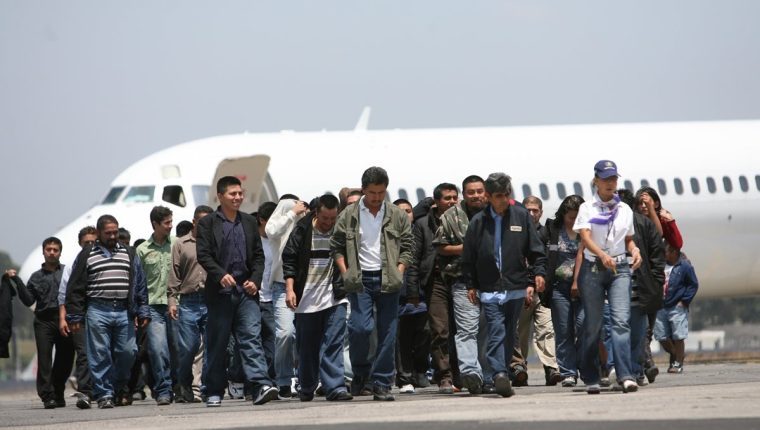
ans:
(109, 302)
(372, 272)
(619, 259)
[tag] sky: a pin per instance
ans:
(89, 87)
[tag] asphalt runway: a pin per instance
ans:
(709, 396)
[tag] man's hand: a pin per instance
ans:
(75, 327)
(10, 273)
(290, 298)
(540, 283)
(574, 291)
(529, 296)
(636, 254)
(173, 312)
(250, 287)
(472, 295)
(608, 262)
(63, 327)
(300, 208)
(647, 200)
(227, 281)
(401, 268)
(144, 322)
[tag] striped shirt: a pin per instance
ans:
(318, 291)
(108, 273)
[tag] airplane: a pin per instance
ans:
(704, 171)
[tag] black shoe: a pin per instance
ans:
(49, 404)
(520, 376)
(305, 397)
(266, 394)
(420, 380)
(382, 395)
(83, 402)
(164, 401)
(553, 377)
(285, 393)
(320, 391)
(651, 373)
(359, 388)
(489, 389)
(472, 382)
(60, 403)
(123, 399)
(502, 384)
(340, 396)
(105, 403)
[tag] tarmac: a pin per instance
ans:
(705, 396)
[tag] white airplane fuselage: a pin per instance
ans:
(719, 223)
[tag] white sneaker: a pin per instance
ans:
(569, 381)
(630, 386)
(593, 389)
(235, 390)
(406, 389)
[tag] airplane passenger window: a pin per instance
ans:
(661, 187)
(644, 183)
(711, 185)
(113, 195)
(544, 191)
(727, 184)
(175, 195)
(561, 193)
(743, 183)
(420, 194)
(628, 185)
(694, 185)
(678, 186)
(200, 195)
(402, 194)
(143, 194)
(757, 182)
(526, 190)
(578, 189)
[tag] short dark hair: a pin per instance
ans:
(470, 179)
(183, 228)
(138, 242)
(105, 219)
(627, 197)
(534, 200)
(499, 183)
(401, 201)
(289, 196)
(676, 250)
(124, 234)
(327, 201)
(444, 186)
(374, 176)
(570, 203)
(202, 209)
(85, 231)
(52, 240)
(265, 211)
(355, 192)
(159, 213)
(653, 194)
(226, 181)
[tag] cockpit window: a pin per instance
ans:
(175, 195)
(113, 195)
(141, 194)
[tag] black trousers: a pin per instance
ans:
(412, 348)
(52, 374)
(82, 370)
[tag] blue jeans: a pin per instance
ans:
(594, 283)
(672, 323)
(360, 326)
(268, 337)
(237, 314)
(639, 324)
(285, 336)
(191, 326)
(501, 323)
(158, 351)
(320, 338)
(467, 319)
(111, 346)
(567, 317)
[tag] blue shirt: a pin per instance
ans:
(234, 254)
(499, 297)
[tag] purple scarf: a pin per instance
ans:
(607, 217)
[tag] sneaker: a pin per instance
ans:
(139, 395)
(49, 404)
(613, 377)
(60, 403)
(489, 389)
(569, 382)
(473, 383)
(406, 389)
(630, 386)
(83, 402)
(421, 380)
(123, 399)
(642, 381)
(605, 381)
(651, 373)
(382, 395)
(676, 367)
(163, 401)
(445, 387)
(502, 385)
(213, 401)
(593, 389)
(520, 376)
(236, 390)
(285, 393)
(305, 397)
(359, 388)
(266, 394)
(320, 391)
(105, 403)
(340, 396)
(553, 377)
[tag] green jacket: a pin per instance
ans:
(451, 231)
(396, 246)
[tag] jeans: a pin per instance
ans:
(237, 314)
(111, 346)
(672, 323)
(594, 283)
(285, 336)
(501, 323)
(193, 317)
(320, 338)
(158, 351)
(52, 374)
(268, 336)
(360, 326)
(639, 323)
(567, 316)
(467, 320)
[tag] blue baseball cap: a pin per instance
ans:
(605, 169)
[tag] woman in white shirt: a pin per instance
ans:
(605, 226)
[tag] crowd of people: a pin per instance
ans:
(351, 295)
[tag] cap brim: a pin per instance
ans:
(605, 175)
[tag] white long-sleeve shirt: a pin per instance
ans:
(278, 229)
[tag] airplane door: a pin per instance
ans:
(252, 172)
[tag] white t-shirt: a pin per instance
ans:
(370, 228)
(611, 238)
(318, 290)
